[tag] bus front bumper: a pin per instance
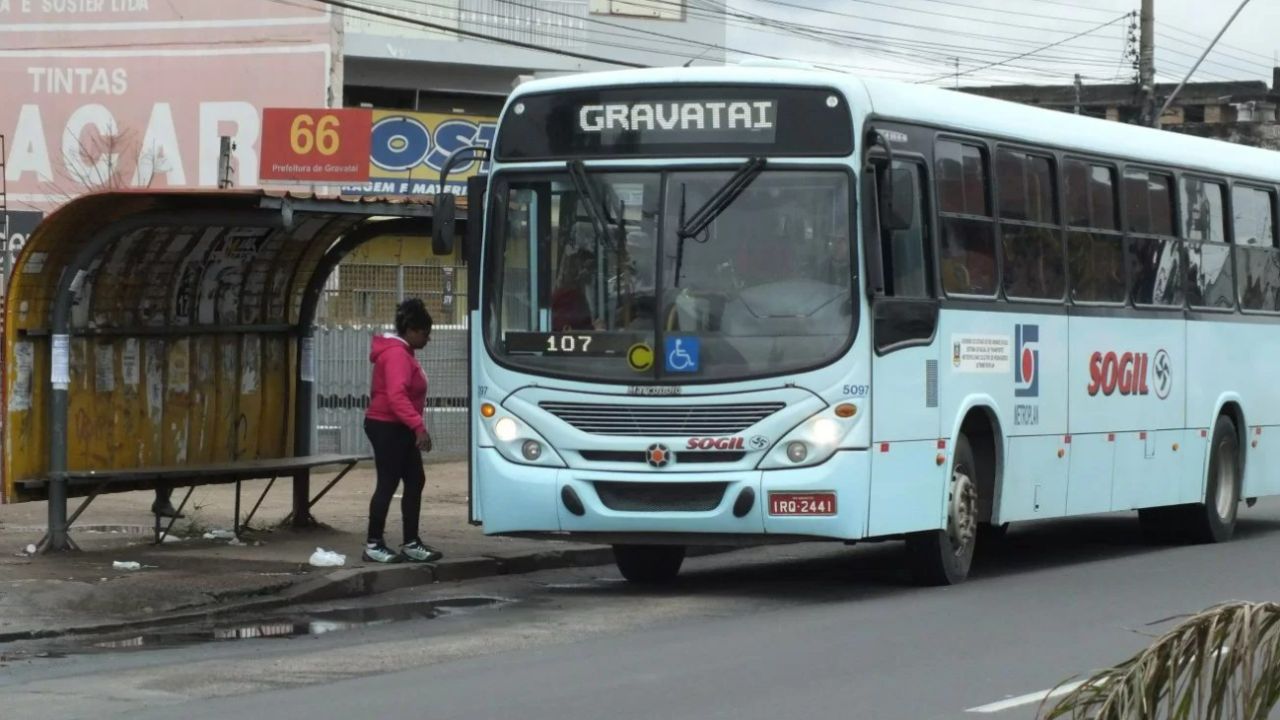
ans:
(526, 499)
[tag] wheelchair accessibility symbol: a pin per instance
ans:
(681, 354)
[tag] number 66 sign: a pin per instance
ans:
(316, 145)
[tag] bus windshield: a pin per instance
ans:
(596, 275)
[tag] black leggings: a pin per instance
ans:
(396, 456)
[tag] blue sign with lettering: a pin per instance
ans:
(682, 354)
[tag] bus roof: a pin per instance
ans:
(961, 112)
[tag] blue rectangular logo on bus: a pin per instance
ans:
(1026, 365)
(681, 354)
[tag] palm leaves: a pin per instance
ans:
(1221, 664)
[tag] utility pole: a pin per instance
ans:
(1147, 63)
(1079, 88)
(957, 60)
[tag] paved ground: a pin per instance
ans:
(58, 591)
(801, 631)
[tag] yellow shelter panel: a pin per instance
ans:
(183, 327)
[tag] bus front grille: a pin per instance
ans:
(661, 420)
(660, 497)
(640, 456)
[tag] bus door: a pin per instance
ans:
(903, 323)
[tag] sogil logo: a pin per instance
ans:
(1162, 374)
(1131, 373)
(1026, 366)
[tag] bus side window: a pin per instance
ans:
(1153, 248)
(1210, 280)
(1095, 246)
(1029, 231)
(906, 271)
(1257, 258)
(968, 228)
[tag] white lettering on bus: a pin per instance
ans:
(590, 118)
(739, 115)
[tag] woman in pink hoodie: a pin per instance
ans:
(395, 428)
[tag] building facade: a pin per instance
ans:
(1244, 112)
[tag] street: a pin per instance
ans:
(788, 631)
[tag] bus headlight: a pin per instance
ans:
(517, 442)
(506, 430)
(811, 442)
(826, 431)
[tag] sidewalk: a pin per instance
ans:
(63, 592)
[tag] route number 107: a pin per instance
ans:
(569, 343)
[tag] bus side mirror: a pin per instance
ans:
(898, 201)
(444, 216)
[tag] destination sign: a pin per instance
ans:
(571, 343)
(676, 120)
(752, 121)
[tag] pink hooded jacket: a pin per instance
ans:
(399, 391)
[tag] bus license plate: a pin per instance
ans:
(781, 503)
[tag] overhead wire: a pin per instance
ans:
(921, 53)
(463, 32)
(826, 34)
(1046, 47)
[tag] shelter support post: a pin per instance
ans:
(301, 515)
(305, 426)
(58, 538)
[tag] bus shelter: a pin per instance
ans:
(163, 339)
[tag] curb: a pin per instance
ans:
(347, 583)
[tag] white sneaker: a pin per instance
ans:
(417, 551)
(380, 553)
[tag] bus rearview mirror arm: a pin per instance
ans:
(445, 211)
(897, 199)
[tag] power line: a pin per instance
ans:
(1225, 45)
(1002, 11)
(476, 35)
(666, 39)
(1046, 47)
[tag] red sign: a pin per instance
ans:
(785, 503)
(715, 443)
(98, 95)
(316, 145)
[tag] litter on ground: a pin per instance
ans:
(327, 558)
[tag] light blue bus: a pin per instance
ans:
(756, 304)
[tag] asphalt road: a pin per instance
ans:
(808, 631)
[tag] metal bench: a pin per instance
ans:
(59, 486)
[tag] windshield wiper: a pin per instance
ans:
(598, 211)
(721, 199)
(582, 184)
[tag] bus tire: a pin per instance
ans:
(943, 557)
(649, 564)
(1214, 520)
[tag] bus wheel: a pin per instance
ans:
(649, 564)
(943, 557)
(1213, 520)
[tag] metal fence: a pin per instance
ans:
(359, 302)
